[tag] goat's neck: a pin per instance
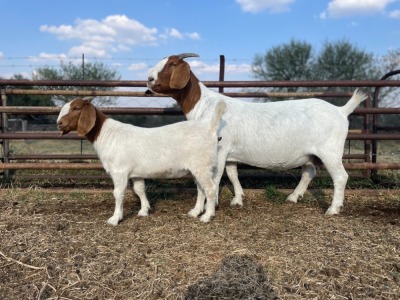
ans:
(95, 131)
(188, 97)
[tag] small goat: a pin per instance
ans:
(127, 151)
(277, 135)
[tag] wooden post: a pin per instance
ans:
(221, 71)
(4, 142)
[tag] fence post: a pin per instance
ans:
(368, 143)
(4, 142)
(375, 121)
(221, 72)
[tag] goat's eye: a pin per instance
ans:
(76, 107)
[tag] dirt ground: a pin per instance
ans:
(56, 245)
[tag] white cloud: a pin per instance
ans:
(200, 67)
(395, 14)
(172, 32)
(115, 33)
(139, 66)
(255, 6)
(193, 36)
(1, 55)
(345, 8)
(48, 56)
(90, 49)
(235, 69)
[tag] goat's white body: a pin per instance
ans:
(162, 152)
(171, 151)
(276, 135)
(280, 135)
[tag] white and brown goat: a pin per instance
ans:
(127, 151)
(276, 135)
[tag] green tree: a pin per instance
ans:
(292, 61)
(343, 61)
(87, 71)
(297, 60)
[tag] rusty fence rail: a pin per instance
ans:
(370, 134)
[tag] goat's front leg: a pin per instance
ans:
(140, 189)
(120, 184)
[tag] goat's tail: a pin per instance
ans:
(354, 101)
(219, 111)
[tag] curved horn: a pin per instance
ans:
(185, 55)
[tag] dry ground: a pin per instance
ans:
(56, 245)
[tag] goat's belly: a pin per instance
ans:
(167, 173)
(272, 163)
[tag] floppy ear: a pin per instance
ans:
(87, 119)
(180, 76)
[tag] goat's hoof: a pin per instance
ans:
(292, 198)
(113, 221)
(333, 211)
(143, 213)
(236, 202)
(194, 213)
(205, 218)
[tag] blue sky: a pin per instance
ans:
(132, 35)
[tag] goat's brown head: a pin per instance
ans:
(170, 74)
(78, 114)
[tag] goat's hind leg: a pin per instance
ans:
(199, 207)
(339, 176)
(120, 183)
(140, 189)
(209, 188)
(307, 174)
(231, 171)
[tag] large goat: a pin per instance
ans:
(128, 151)
(277, 135)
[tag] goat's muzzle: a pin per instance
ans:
(63, 128)
(63, 132)
(150, 83)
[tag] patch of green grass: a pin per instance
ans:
(273, 195)
(19, 147)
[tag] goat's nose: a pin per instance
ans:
(150, 79)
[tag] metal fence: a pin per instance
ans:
(370, 134)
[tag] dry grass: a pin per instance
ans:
(56, 245)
